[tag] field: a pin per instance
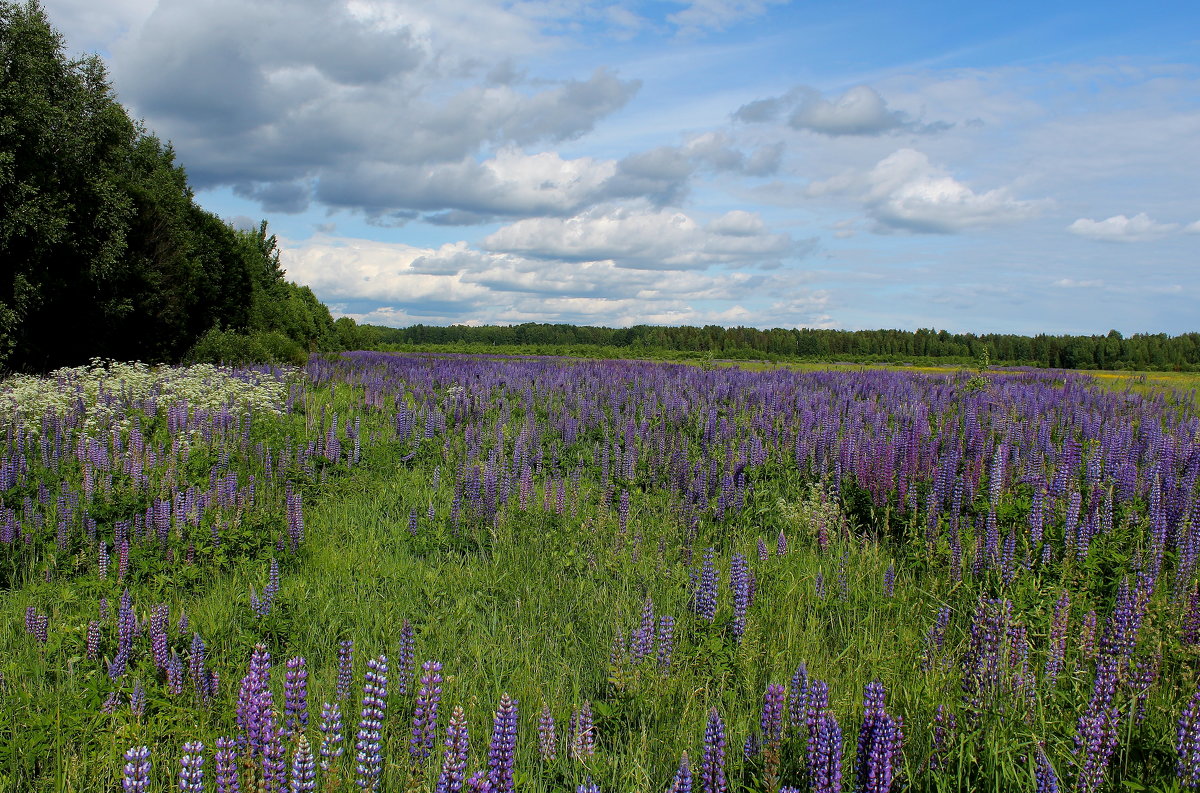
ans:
(437, 572)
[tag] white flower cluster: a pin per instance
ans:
(107, 391)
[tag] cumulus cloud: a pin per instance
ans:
(860, 110)
(1120, 228)
(398, 284)
(906, 192)
(322, 100)
(649, 239)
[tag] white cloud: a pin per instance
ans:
(396, 284)
(1071, 283)
(717, 14)
(1120, 228)
(905, 191)
(643, 239)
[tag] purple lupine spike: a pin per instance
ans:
(136, 776)
(1187, 743)
(478, 783)
(137, 700)
(295, 696)
(712, 760)
(641, 644)
(1058, 638)
(255, 708)
(665, 640)
(370, 725)
(798, 697)
(226, 770)
(588, 786)
(295, 519)
(739, 582)
(935, 639)
(682, 783)
(405, 660)
(174, 672)
(502, 750)
(274, 760)
(424, 724)
(454, 762)
(583, 733)
(763, 553)
(824, 742)
(771, 721)
(191, 768)
(945, 723)
(781, 544)
(304, 770)
(93, 640)
(345, 668)
(889, 580)
(160, 616)
(331, 733)
(547, 735)
(1044, 775)
(704, 596)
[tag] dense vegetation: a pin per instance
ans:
(1155, 351)
(827, 581)
(105, 253)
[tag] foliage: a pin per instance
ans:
(106, 253)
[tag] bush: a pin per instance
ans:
(232, 348)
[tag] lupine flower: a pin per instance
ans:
(424, 724)
(704, 595)
(798, 697)
(824, 741)
(1043, 773)
(295, 696)
(137, 700)
(405, 660)
(763, 553)
(1187, 743)
(712, 761)
(174, 672)
(501, 751)
(1058, 638)
(945, 723)
(304, 771)
(935, 639)
(226, 771)
(191, 768)
(781, 544)
(478, 783)
(93, 640)
(370, 725)
(274, 760)
(295, 519)
(583, 733)
(641, 644)
(547, 737)
(331, 733)
(665, 641)
(136, 777)
(682, 783)
(345, 668)
(889, 580)
(588, 786)
(739, 582)
(454, 762)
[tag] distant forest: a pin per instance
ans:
(1156, 351)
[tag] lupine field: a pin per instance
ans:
(447, 573)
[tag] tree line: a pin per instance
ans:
(1109, 351)
(103, 250)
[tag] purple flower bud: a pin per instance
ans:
(1187, 743)
(502, 751)
(331, 733)
(345, 668)
(582, 733)
(547, 737)
(370, 725)
(226, 771)
(424, 724)
(712, 761)
(454, 761)
(682, 783)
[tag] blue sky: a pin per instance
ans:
(980, 167)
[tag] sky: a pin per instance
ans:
(985, 167)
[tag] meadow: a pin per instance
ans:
(435, 572)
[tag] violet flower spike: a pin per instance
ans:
(502, 751)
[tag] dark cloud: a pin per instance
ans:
(858, 111)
